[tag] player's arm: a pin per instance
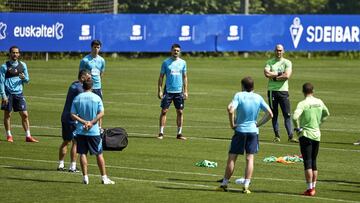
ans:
(231, 113)
(25, 75)
(4, 99)
(185, 81)
(268, 73)
(287, 73)
(267, 116)
(325, 113)
(160, 83)
(296, 117)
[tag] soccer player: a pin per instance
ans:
(278, 70)
(94, 63)
(307, 118)
(243, 113)
(87, 109)
(13, 75)
(175, 90)
(68, 124)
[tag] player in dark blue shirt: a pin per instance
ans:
(68, 125)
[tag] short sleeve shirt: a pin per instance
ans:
(174, 71)
(247, 106)
(278, 66)
(87, 105)
(96, 66)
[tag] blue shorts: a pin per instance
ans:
(16, 102)
(178, 99)
(68, 131)
(244, 142)
(98, 92)
(92, 144)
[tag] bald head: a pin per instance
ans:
(279, 51)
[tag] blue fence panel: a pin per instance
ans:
(156, 32)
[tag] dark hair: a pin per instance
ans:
(13, 47)
(175, 46)
(83, 72)
(247, 84)
(308, 88)
(95, 42)
(88, 84)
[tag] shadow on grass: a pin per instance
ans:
(345, 182)
(230, 190)
(24, 168)
(192, 180)
(37, 180)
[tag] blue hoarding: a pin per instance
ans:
(156, 32)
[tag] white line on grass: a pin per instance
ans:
(209, 139)
(184, 184)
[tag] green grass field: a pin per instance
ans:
(152, 170)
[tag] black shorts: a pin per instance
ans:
(178, 99)
(309, 151)
(68, 131)
(92, 144)
(244, 142)
(16, 102)
(98, 92)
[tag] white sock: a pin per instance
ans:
(309, 185)
(86, 178)
(61, 163)
(246, 182)
(162, 129)
(225, 181)
(179, 130)
(8, 133)
(104, 177)
(314, 184)
(73, 165)
(28, 133)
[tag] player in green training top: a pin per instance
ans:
(308, 116)
(278, 70)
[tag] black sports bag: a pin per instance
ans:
(114, 139)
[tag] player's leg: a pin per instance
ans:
(179, 105)
(251, 148)
(165, 104)
(82, 149)
(273, 103)
(306, 152)
(315, 151)
(7, 124)
(286, 112)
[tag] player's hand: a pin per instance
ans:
(160, 95)
(22, 76)
(4, 102)
(186, 95)
(233, 126)
(88, 125)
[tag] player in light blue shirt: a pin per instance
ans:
(94, 63)
(176, 89)
(13, 75)
(87, 108)
(246, 105)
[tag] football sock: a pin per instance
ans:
(86, 178)
(314, 184)
(246, 183)
(28, 133)
(104, 177)
(61, 163)
(225, 181)
(309, 185)
(179, 130)
(8, 133)
(162, 129)
(73, 165)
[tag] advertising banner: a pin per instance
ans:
(46, 32)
